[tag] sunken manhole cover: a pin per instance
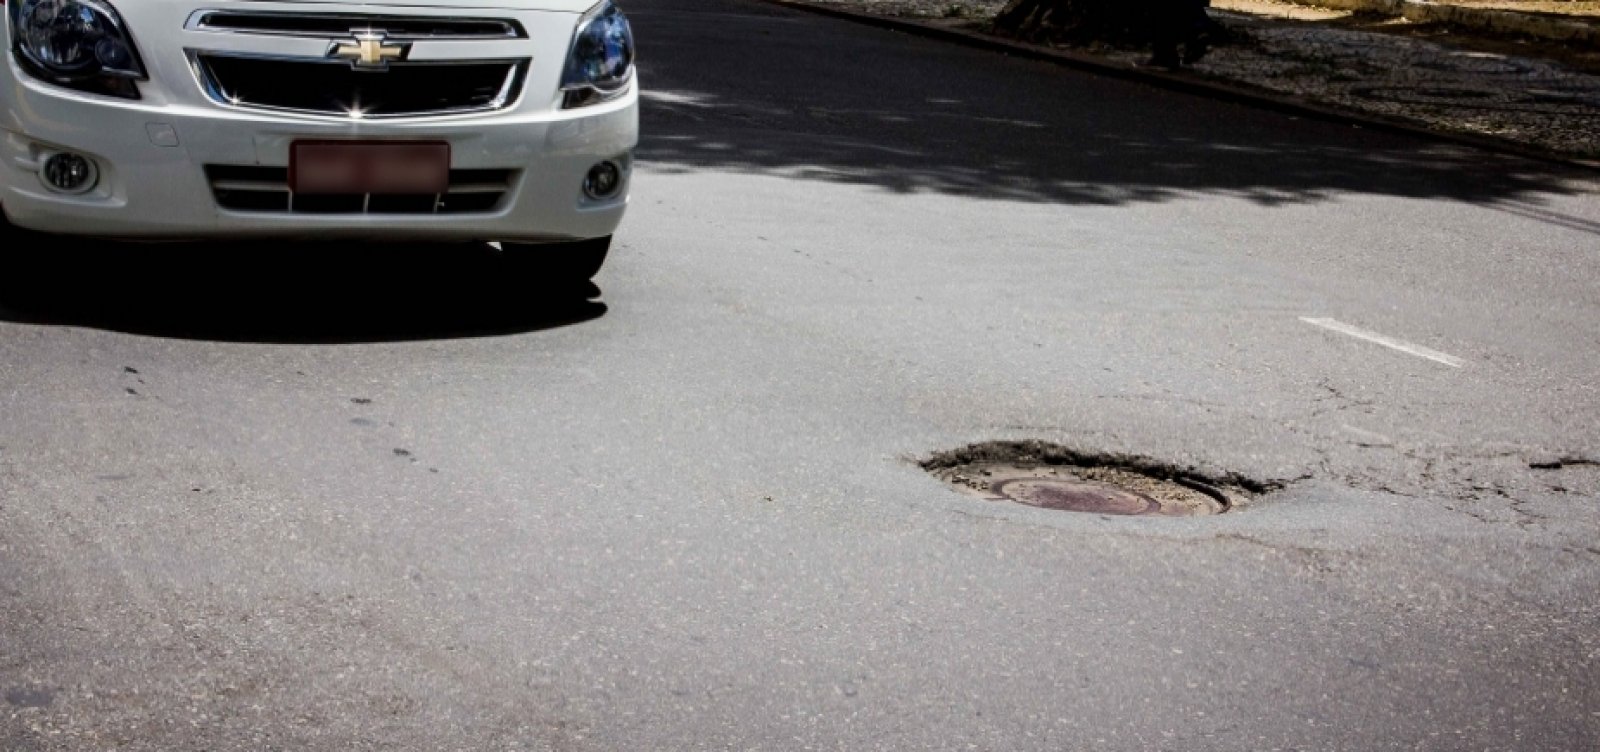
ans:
(1051, 477)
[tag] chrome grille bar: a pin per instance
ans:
(408, 27)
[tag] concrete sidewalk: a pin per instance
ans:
(1524, 103)
(1547, 25)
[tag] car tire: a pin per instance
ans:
(575, 262)
(16, 260)
(14, 244)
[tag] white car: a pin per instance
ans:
(510, 121)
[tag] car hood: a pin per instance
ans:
(564, 6)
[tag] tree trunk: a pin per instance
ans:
(1076, 20)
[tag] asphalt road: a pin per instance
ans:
(294, 498)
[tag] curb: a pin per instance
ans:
(1508, 21)
(1188, 83)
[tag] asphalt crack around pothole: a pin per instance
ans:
(1050, 476)
(1561, 463)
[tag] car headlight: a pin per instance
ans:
(80, 44)
(600, 65)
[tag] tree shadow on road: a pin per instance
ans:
(836, 102)
(283, 292)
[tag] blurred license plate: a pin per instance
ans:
(384, 167)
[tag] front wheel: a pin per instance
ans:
(21, 275)
(563, 263)
(8, 232)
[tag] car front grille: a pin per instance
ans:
(265, 190)
(333, 88)
(338, 25)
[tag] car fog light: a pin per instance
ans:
(70, 173)
(603, 181)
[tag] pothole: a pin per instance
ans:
(1049, 476)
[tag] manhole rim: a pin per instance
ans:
(958, 469)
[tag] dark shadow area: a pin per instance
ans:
(740, 86)
(285, 292)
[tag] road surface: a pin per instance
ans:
(279, 497)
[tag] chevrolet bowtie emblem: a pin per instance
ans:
(370, 50)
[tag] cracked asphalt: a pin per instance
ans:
(283, 497)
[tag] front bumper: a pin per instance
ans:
(153, 155)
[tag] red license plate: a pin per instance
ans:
(382, 167)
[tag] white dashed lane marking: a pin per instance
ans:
(1335, 325)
